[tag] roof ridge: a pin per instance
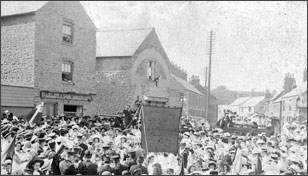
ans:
(118, 30)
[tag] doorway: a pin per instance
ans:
(72, 110)
(50, 109)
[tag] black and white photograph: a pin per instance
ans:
(153, 88)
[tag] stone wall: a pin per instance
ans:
(17, 50)
(113, 88)
(50, 51)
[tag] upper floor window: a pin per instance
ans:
(67, 31)
(67, 71)
(151, 70)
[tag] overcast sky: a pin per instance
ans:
(256, 43)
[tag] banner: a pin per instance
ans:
(160, 128)
(35, 115)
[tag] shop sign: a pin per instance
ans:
(66, 96)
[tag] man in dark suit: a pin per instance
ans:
(106, 166)
(130, 159)
(129, 113)
(87, 167)
(143, 169)
(119, 168)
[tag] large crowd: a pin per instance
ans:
(65, 145)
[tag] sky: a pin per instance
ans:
(255, 44)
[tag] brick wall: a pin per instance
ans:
(50, 51)
(17, 50)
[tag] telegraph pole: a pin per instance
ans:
(205, 87)
(209, 79)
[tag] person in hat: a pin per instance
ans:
(79, 142)
(118, 167)
(66, 166)
(106, 165)
(212, 166)
(35, 166)
(130, 159)
(139, 165)
(87, 167)
(6, 166)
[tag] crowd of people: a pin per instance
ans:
(66, 145)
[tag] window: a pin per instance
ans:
(151, 70)
(181, 97)
(67, 71)
(67, 33)
(290, 108)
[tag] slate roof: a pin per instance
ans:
(120, 42)
(277, 95)
(297, 91)
(278, 100)
(239, 101)
(9, 8)
(186, 85)
(253, 101)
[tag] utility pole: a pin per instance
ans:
(205, 88)
(210, 50)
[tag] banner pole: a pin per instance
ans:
(14, 141)
(133, 118)
(145, 134)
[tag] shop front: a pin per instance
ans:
(66, 103)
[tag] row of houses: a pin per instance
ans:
(290, 104)
(285, 107)
(51, 51)
(246, 106)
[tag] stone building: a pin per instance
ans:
(294, 105)
(133, 66)
(213, 102)
(47, 54)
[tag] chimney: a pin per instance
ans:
(289, 83)
(194, 80)
(252, 93)
(305, 75)
(267, 94)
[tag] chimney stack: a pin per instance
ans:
(252, 93)
(267, 94)
(289, 82)
(194, 80)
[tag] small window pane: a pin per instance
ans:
(67, 29)
(69, 68)
(63, 67)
